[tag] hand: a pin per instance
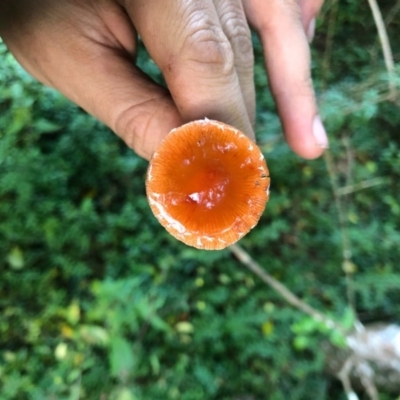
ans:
(86, 50)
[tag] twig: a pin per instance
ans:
(365, 373)
(342, 220)
(392, 13)
(349, 274)
(367, 377)
(350, 159)
(345, 190)
(344, 376)
(329, 42)
(289, 296)
(385, 44)
(379, 99)
(353, 362)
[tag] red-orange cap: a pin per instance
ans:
(207, 184)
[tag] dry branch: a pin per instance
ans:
(385, 44)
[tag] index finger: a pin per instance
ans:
(186, 40)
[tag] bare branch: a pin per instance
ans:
(392, 13)
(344, 376)
(342, 220)
(343, 191)
(367, 376)
(289, 296)
(385, 44)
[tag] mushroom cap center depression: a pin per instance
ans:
(196, 191)
(206, 186)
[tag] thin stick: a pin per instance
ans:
(385, 44)
(326, 60)
(289, 296)
(367, 377)
(346, 247)
(342, 220)
(344, 376)
(349, 275)
(379, 99)
(392, 13)
(345, 190)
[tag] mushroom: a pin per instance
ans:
(207, 184)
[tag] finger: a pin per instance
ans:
(309, 11)
(187, 42)
(288, 64)
(236, 29)
(88, 56)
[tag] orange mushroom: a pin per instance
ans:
(207, 184)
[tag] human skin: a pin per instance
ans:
(86, 49)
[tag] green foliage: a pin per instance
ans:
(98, 301)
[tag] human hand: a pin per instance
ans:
(86, 50)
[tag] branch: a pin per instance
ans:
(344, 376)
(346, 247)
(367, 377)
(342, 191)
(392, 13)
(385, 44)
(289, 296)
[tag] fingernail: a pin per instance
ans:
(320, 133)
(311, 30)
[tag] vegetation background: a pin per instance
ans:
(97, 301)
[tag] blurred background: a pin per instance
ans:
(97, 301)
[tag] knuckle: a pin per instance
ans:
(141, 124)
(239, 35)
(207, 47)
(128, 126)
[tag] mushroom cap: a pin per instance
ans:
(207, 184)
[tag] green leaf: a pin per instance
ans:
(301, 342)
(121, 357)
(16, 258)
(125, 394)
(43, 125)
(94, 334)
(348, 318)
(305, 325)
(337, 339)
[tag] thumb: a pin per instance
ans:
(119, 94)
(87, 54)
